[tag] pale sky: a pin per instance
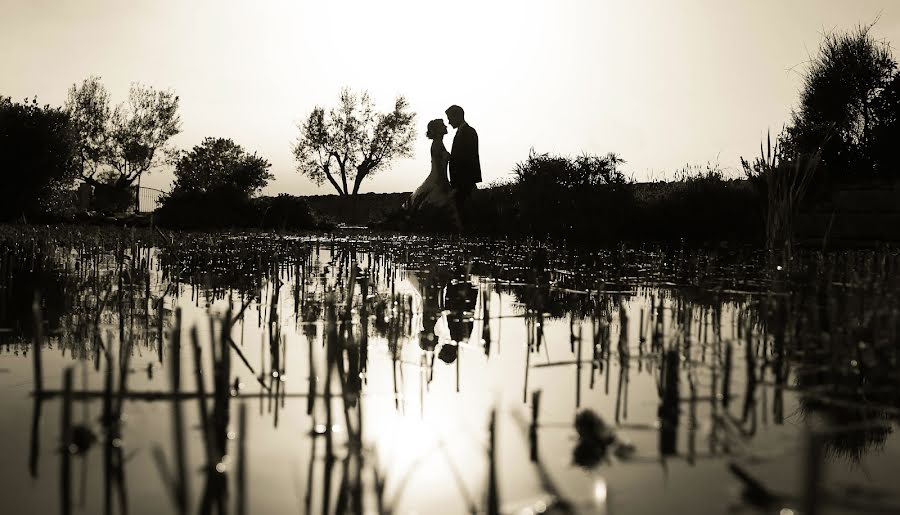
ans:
(662, 83)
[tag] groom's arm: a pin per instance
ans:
(468, 152)
(464, 157)
(474, 160)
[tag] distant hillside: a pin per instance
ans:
(356, 209)
(365, 208)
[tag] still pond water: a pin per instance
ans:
(264, 374)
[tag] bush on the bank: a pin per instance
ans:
(697, 209)
(215, 184)
(565, 197)
(37, 158)
(285, 212)
(195, 210)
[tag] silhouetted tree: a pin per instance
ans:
(88, 107)
(219, 163)
(214, 183)
(352, 142)
(844, 100)
(118, 146)
(887, 133)
(37, 156)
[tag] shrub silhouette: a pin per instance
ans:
(849, 101)
(37, 157)
(571, 197)
(284, 212)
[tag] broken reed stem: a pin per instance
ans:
(241, 474)
(493, 497)
(38, 343)
(201, 394)
(533, 427)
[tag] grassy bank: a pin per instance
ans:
(701, 210)
(360, 209)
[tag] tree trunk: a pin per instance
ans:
(90, 180)
(334, 183)
(361, 173)
(344, 178)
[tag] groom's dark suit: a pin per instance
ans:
(465, 166)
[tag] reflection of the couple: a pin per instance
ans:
(446, 302)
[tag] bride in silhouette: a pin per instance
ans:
(432, 204)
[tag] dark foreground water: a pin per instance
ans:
(401, 375)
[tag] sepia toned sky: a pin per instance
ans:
(662, 83)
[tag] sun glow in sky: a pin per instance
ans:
(661, 83)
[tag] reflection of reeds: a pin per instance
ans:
(34, 450)
(726, 375)
(533, 426)
(853, 301)
(178, 429)
(241, 474)
(669, 409)
(38, 343)
(813, 472)
(65, 444)
(38, 379)
(201, 393)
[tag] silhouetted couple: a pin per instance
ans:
(440, 200)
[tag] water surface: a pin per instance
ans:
(717, 381)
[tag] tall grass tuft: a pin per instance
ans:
(786, 182)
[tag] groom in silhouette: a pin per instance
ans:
(465, 167)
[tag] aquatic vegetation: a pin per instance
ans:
(373, 368)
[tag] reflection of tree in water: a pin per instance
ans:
(26, 273)
(237, 263)
(87, 292)
(846, 367)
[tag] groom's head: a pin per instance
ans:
(455, 115)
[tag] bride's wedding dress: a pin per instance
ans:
(432, 202)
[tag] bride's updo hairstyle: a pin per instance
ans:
(434, 128)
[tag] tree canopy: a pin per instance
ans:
(218, 164)
(38, 149)
(848, 106)
(117, 145)
(352, 142)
